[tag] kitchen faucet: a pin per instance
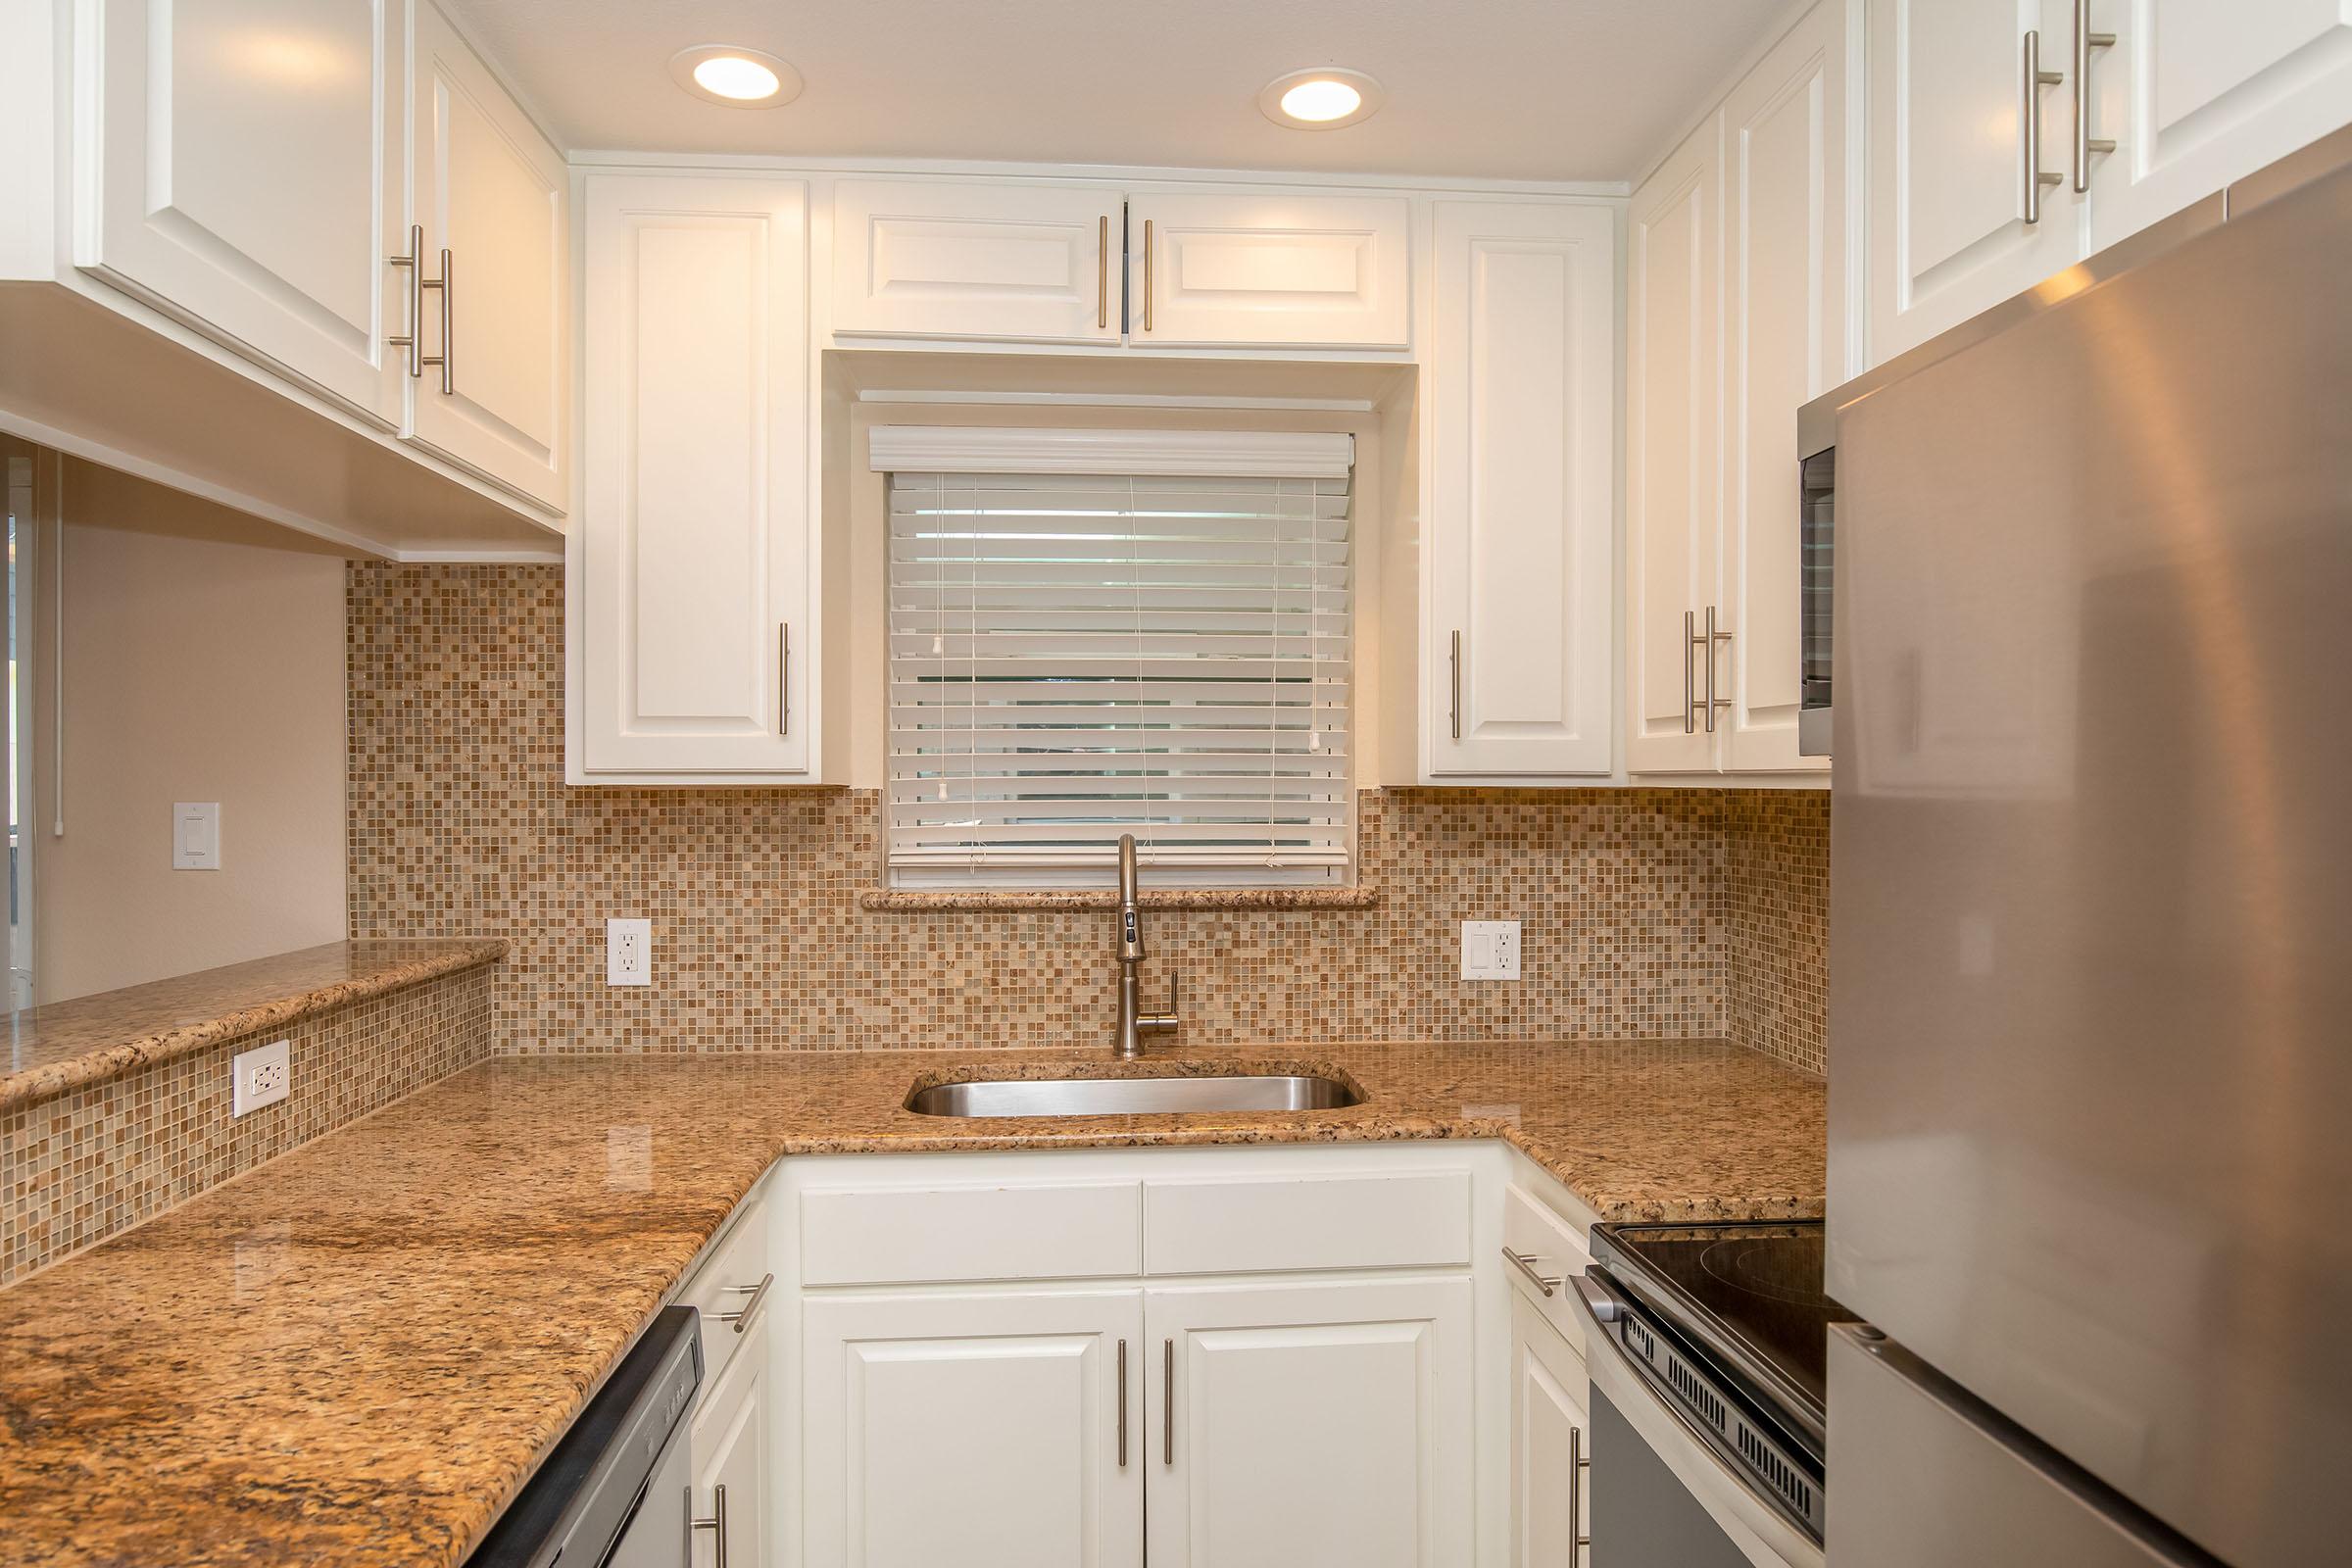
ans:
(1133, 1023)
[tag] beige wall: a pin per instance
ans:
(203, 660)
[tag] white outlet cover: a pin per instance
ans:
(1489, 950)
(628, 952)
(196, 836)
(262, 1076)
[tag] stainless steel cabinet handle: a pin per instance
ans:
(413, 341)
(2035, 78)
(1707, 645)
(1525, 1263)
(1690, 647)
(2085, 144)
(1167, 1402)
(783, 677)
(1102, 273)
(1122, 1404)
(1578, 1464)
(1146, 274)
(717, 1524)
(1455, 678)
(750, 1313)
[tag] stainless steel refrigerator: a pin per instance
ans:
(2091, 960)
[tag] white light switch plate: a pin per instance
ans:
(196, 836)
(262, 1076)
(628, 952)
(1489, 950)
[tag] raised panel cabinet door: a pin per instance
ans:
(979, 1430)
(1520, 675)
(1551, 1444)
(696, 550)
(1674, 417)
(1269, 269)
(1951, 232)
(1784, 344)
(1004, 261)
(1314, 1426)
(2197, 94)
(246, 180)
(490, 191)
(727, 1447)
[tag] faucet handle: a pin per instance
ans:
(1162, 1023)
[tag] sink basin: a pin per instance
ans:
(1131, 1097)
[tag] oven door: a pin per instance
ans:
(1660, 1497)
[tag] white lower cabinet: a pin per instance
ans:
(1550, 1444)
(728, 1449)
(974, 1429)
(1314, 1425)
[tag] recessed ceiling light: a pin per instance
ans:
(741, 79)
(1320, 100)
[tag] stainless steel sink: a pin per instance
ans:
(1131, 1097)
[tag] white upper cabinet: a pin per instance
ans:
(977, 260)
(2197, 94)
(1784, 343)
(1673, 394)
(1518, 673)
(1956, 222)
(695, 555)
(1268, 269)
(490, 195)
(245, 179)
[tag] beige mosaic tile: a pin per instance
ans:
(462, 825)
(79, 1167)
(1777, 922)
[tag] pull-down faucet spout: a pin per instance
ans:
(1134, 1023)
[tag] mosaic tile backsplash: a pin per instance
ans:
(1635, 923)
(81, 1165)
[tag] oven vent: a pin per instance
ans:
(1774, 1469)
(1697, 1395)
(1638, 1337)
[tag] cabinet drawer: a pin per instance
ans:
(728, 1281)
(1554, 1249)
(917, 1235)
(1406, 1220)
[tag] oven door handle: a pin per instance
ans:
(1599, 1305)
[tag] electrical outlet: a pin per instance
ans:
(262, 1076)
(1489, 950)
(628, 952)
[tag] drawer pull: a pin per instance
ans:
(1525, 1263)
(748, 1313)
(717, 1524)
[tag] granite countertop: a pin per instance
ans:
(67, 1044)
(355, 1354)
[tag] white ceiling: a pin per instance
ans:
(1522, 89)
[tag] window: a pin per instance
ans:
(1162, 650)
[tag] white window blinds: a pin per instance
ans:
(1077, 656)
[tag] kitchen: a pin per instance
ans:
(1064, 791)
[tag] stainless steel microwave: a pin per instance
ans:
(1817, 571)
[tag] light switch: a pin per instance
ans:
(196, 836)
(1489, 950)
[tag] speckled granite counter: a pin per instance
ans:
(355, 1354)
(80, 1041)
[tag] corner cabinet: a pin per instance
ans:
(1518, 639)
(1736, 308)
(692, 603)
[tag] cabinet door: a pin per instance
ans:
(491, 192)
(1268, 269)
(1316, 1426)
(246, 179)
(1023, 262)
(1948, 139)
(1551, 1444)
(1673, 377)
(2197, 94)
(727, 1446)
(1520, 674)
(1784, 343)
(983, 1431)
(695, 548)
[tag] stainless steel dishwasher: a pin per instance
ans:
(613, 1492)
